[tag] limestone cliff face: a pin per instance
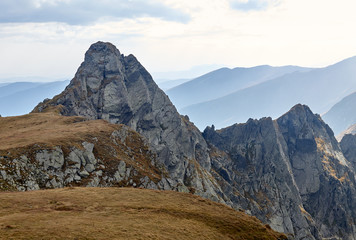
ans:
(289, 172)
(117, 88)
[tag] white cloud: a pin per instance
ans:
(299, 32)
(253, 5)
(83, 12)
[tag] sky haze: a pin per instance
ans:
(48, 38)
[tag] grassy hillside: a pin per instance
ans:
(104, 213)
(23, 137)
(122, 213)
(48, 128)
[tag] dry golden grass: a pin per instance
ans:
(122, 213)
(47, 128)
(24, 135)
(107, 213)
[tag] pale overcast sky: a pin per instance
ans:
(49, 37)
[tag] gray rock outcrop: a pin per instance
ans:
(117, 88)
(348, 147)
(289, 172)
(40, 166)
(325, 179)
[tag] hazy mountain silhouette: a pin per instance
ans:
(318, 88)
(224, 81)
(342, 115)
(21, 97)
(168, 84)
(11, 88)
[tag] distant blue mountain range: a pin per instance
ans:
(225, 81)
(21, 97)
(343, 114)
(229, 96)
(168, 84)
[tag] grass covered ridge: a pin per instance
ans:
(122, 213)
(28, 134)
(48, 128)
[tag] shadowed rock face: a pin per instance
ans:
(348, 146)
(117, 88)
(256, 166)
(290, 172)
(325, 179)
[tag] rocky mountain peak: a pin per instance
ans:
(299, 148)
(117, 88)
(101, 49)
(301, 113)
(104, 58)
(301, 123)
(107, 85)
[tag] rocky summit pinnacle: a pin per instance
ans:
(117, 88)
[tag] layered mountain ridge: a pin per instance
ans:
(341, 116)
(21, 97)
(224, 81)
(318, 88)
(289, 172)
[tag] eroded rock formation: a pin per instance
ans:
(117, 88)
(290, 172)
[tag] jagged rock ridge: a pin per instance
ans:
(290, 172)
(117, 88)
